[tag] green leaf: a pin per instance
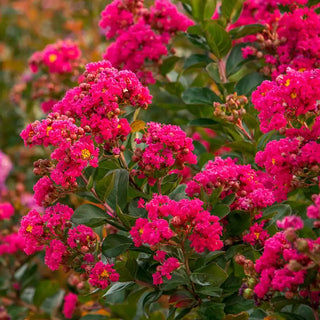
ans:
(211, 311)
(169, 183)
(203, 9)
(238, 221)
(168, 64)
(93, 317)
(115, 244)
(231, 9)
(90, 215)
(200, 96)
(196, 60)
(249, 83)
(118, 287)
(218, 39)
(119, 194)
(211, 274)
(220, 210)
(128, 221)
(246, 30)
(44, 289)
(105, 185)
(209, 291)
(235, 59)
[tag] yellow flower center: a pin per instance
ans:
(48, 129)
(287, 84)
(29, 228)
(302, 69)
(52, 57)
(273, 161)
(104, 274)
(141, 231)
(85, 154)
(257, 235)
(293, 95)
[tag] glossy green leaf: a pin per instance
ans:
(231, 9)
(218, 39)
(115, 244)
(104, 186)
(90, 215)
(246, 30)
(200, 96)
(249, 83)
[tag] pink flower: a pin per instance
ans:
(81, 236)
(54, 254)
(165, 270)
(294, 222)
(102, 274)
(256, 235)
(6, 210)
(70, 304)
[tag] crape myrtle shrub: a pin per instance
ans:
(175, 170)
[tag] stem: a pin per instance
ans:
(109, 210)
(240, 126)
(315, 314)
(222, 71)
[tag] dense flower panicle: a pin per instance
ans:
(96, 102)
(74, 151)
(301, 29)
(101, 275)
(286, 161)
(81, 236)
(167, 147)
(257, 235)
(165, 18)
(5, 168)
(6, 210)
(11, 243)
(141, 34)
(54, 254)
(38, 229)
(59, 57)
(165, 270)
(282, 101)
(151, 233)
(70, 304)
(133, 48)
(118, 16)
(185, 217)
(281, 267)
(242, 180)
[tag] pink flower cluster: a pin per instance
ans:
(60, 57)
(224, 174)
(167, 147)
(11, 243)
(256, 235)
(282, 266)
(5, 168)
(281, 102)
(290, 104)
(70, 304)
(97, 100)
(141, 34)
(74, 150)
(168, 218)
(6, 210)
(102, 274)
(180, 220)
(165, 270)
